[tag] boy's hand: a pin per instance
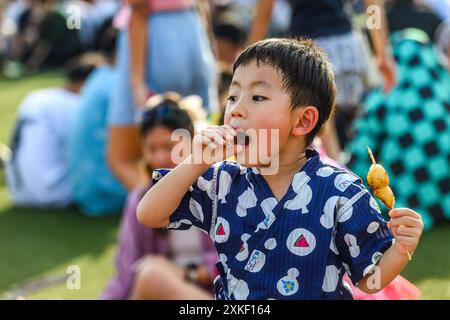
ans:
(214, 144)
(406, 226)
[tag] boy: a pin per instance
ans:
(291, 234)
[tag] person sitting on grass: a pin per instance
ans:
(37, 174)
(94, 188)
(161, 264)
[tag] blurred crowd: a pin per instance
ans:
(137, 70)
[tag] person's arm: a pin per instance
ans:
(124, 156)
(380, 40)
(407, 227)
(138, 45)
(155, 213)
(261, 21)
(161, 201)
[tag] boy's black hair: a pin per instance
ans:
(306, 73)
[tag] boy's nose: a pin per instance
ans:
(238, 110)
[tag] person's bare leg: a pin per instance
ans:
(124, 155)
(159, 279)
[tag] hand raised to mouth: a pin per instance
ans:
(241, 139)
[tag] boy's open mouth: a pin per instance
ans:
(242, 139)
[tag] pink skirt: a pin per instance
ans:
(398, 289)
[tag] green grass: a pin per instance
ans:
(36, 244)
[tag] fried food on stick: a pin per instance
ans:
(378, 181)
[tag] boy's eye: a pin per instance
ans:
(231, 98)
(259, 98)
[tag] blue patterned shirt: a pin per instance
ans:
(300, 247)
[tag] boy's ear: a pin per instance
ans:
(305, 120)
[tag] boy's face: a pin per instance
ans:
(258, 101)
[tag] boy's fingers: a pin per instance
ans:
(408, 232)
(404, 221)
(399, 212)
(214, 135)
(230, 129)
(408, 242)
(204, 140)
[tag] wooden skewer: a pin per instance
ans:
(371, 155)
(374, 162)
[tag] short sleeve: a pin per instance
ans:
(361, 235)
(195, 208)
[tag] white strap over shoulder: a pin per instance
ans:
(214, 202)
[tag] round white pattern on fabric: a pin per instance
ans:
(299, 180)
(270, 244)
(325, 172)
(347, 214)
(288, 285)
(373, 203)
(243, 251)
(352, 244)
(331, 279)
(224, 185)
(301, 200)
(206, 186)
(238, 288)
(256, 261)
(222, 230)
(376, 257)
(301, 242)
(246, 201)
(327, 219)
(368, 269)
(196, 209)
(223, 260)
(344, 180)
(373, 227)
(267, 206)
(177, 224)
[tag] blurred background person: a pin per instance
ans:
(37, 175)
(408, 129)
(403, 14)
(229, 40)
(95, 190)
(440, 7)
(160, 263)
(42, 37)
(164, 48)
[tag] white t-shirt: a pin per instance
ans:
(37, 173)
